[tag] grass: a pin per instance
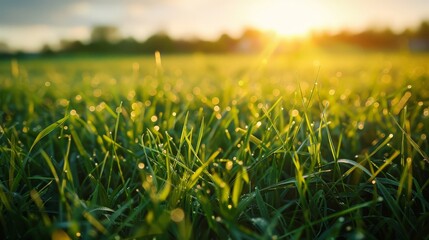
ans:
(215, 147)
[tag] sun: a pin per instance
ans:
(285, 18)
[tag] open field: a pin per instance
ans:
(215, 147)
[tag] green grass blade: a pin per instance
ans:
(48, 130)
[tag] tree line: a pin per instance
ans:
(108, 40)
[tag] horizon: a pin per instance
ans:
(49, 22)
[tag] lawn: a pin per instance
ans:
(299, 145)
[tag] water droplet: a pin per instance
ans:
(177, 215)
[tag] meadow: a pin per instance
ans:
(290, 146)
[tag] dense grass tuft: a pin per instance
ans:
(215, 147)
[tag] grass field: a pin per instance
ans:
(215, 147)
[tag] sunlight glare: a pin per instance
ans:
(288, 19)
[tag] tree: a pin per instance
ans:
(106, 34)
(47, 50)
(4, 48)
(423, 30)
(159, 42)
(225, 43)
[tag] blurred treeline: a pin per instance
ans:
(108, 40)
(385, 39)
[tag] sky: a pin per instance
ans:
(28, 24)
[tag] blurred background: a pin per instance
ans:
(185, 26)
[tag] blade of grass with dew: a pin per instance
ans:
(385, 164)
(355, 165)
(412, 142)
(194, 178)
(48, 130)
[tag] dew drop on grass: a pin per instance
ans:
(341, 219)
(149, 178)
(228, 165)
(141, 165)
